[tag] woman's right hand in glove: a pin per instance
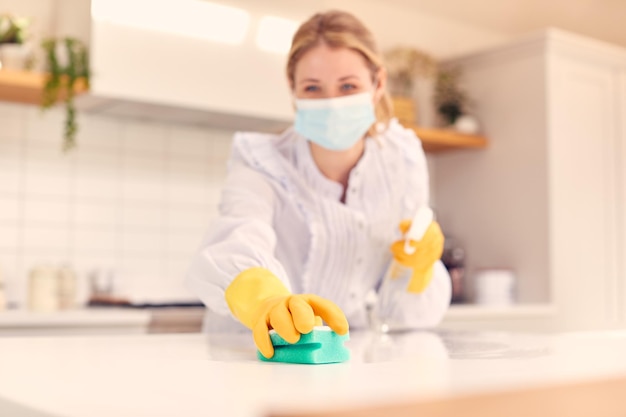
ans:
(261, 302)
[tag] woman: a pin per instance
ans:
(307, 217)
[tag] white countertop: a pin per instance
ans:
(194, 375)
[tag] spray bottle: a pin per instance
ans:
(397, 277)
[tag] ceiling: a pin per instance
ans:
(600, 19)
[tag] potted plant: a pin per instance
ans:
(411, 75)
(452, 102)
(449, 98)
(14, 52)
(68, 68)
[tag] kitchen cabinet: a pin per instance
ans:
(27, 87)
(546, 199)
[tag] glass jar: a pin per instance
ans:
(67, 288)
(43, 289)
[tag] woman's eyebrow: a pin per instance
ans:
(347, 77)
(309, 80)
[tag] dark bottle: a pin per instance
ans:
(454, 260)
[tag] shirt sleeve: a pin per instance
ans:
(241, 237)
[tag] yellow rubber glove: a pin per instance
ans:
(261, 302)
(427, 251)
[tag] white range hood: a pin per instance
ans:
(193, 61)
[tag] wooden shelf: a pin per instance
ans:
(26, 87)
(441, 140)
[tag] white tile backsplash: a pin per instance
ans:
(184, 169)
(97, 134)
(98, 163)
(47, 173)
(177, 266)
(183, 193)
(10, 144)
(50, 211)
(9, 182)
(180, 243)
(180, 218)
(9, 236)
(134, 196)
(144, 138)
(219, 146)
(11, 151)
(9, 208)
(44, 129)
(142, 244)
(188, 143)
(96, 189)
(104, 214)
(10, 170)
(46, 239)
(95, 242)
(143, 167)
(46, 184)
(143, 178)
(11, 123)
(8, 270)
(142, 189)
(143, 216)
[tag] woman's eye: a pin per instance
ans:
(348, 87)
(311, 88)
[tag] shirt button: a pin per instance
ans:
(353, 190)
(359, 260)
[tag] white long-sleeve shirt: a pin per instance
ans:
(280, 212)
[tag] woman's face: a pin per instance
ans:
(325, 72)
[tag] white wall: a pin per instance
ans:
(134, 196)
(495, 200)
(441, 37)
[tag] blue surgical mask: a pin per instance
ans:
(335, 123)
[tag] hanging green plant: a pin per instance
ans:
(68, 64)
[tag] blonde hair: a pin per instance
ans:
(339, 29)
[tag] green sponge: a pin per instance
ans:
(322, 345)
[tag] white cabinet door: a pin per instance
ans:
(621, 278)
(583, 160)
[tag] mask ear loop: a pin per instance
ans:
(379, 127)
(293, 100)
